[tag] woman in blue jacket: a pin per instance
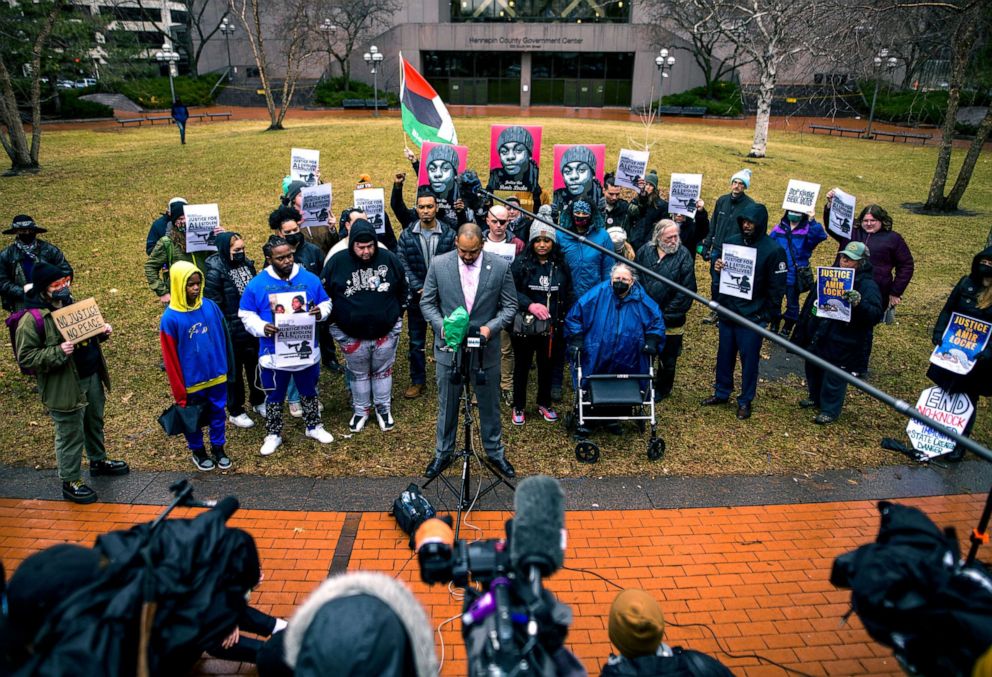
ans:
(797, 234)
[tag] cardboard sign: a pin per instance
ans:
(737, 274)
(841, 213)
(963, 341)
(504, 250)
(316, 206)
(304, 165)
(202, 224)
(831, 286)
(952, 410)
(683, 192)
(514, 157)
(295, 342)
(372, 201)
(79, 321)
(572, 171)
(801, 196)
(631, 166)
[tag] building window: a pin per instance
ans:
(474, 78)
(132, 13)
(586, 79)
(179, 16)
(542, 11)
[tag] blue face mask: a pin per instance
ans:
(62, 295)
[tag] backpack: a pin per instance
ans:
(411, 509)
(13, 320)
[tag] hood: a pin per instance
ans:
(179, 275)
(757, 214)
(223, 243)
(984, 254)
(363, 228)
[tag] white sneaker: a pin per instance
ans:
(357, 422)
(320, 407)
(260, 409)
(295, 409)
(270, 444)
(241, 421)
(281, 625)
(320, 435)
(386, 422)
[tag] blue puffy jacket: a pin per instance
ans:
(613, 330)
(805, 237)
(589, 267)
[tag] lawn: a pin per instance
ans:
(100, 190)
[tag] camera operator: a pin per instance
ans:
(636, 629)
(482, 283)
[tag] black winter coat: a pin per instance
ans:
(844, 344)
(724, 222)
(641, 220)
(310, 258)
(770, 269)
(12, 279)
(220, 288)
(412, 256)
(549, 284)
(618, 216)
(677, 267)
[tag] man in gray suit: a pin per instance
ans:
(482, 284)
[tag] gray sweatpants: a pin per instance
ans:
(370, 365)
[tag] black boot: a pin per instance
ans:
(77, 492)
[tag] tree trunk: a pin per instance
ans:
(249, 14)
(964, 174)
(765, 93)
(13, 139)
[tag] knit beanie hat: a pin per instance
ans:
(294, 189)
(636, 624)
(581, 206)
(652, 178)
(447, 153)
(173, 201)
(44, 274)
(579, 154)
(744, 176)
(539, 229)
(546, 212)
(516, 134)
(176, 209)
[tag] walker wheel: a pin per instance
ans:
(656, 449)
(586, 452)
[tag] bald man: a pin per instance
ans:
(499, 240)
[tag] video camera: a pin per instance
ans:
(510, 622)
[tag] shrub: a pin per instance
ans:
(330, 93)
(726, 99)
(74, 108)
(155, 92)
(911, 106)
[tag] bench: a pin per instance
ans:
(694, 111)
(670, 110)
(152, 119)
(226, 115)
(905, 136)
(842, 130)
(353, 104)
(124, 122)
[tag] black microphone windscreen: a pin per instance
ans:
(539, 506)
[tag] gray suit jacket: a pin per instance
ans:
(495, 302)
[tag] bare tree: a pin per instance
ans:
(199, 29)
(345, 24)
(281, 34)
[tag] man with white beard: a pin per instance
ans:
(664, 254)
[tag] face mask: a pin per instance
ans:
(27, 238)
(581, 222)
(295, 239)
(620, 287)
(239, 259)
(795, 218)
(62, 295)
(984, 270)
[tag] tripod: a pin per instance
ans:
(462, 374)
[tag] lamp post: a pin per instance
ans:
(664, 62)
(327, 28)
(227, 28)
(169, 56)
(889, 62)
(372, 59)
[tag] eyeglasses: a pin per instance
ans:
(60, 284)
(870, 219)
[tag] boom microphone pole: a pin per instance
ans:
(901, 406)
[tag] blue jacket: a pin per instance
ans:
(613, 330)
(589, 267)
(805, 237)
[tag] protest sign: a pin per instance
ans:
(79, 321)
(288, 303)
(631, 166)
(440, 166)
(801, 196)
(316, 205)
(964, 339)
(295, 341)
(514, 157)
(372, 201)
(683, 192)
(737, 274)
(304, 165)
(831, 286)
(950, 410)
(572, 170)
(841, 213)
(202, 222)
(504, 250)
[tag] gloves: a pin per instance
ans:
(853, 297)
(573, 351)
(650, 345)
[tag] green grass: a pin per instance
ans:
(99, 190)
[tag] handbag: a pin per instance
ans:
(804, 274)
(525, 324)
(178, 420)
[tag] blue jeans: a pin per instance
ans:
(212, 401)
(276, 382)
(791, 302)
(736, 340)
(418, 342)
(182, 130)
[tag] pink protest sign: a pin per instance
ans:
(440, 166)
(514, 157)
(577, 165)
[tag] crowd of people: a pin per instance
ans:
(538, 296)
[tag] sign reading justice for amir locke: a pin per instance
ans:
(79, 321)
(963, 341)
(832, 285)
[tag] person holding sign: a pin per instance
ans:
(169, 250)
(723, 225)
(323, 238)
(971, 299)
(615, 209)
(199, 361)
(649, 208)
(283, 276)
(798, 234)
(758, 303)
(72, 378)
(840, 343)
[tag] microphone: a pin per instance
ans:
(538, 538)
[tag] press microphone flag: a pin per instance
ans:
(538, 525)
